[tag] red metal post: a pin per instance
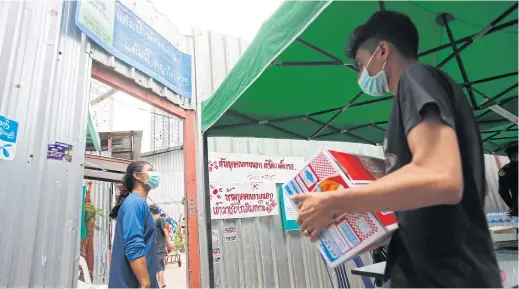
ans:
(112, 78)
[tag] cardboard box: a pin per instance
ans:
(353, 233)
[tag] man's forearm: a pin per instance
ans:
(141, 271)
(410, 187)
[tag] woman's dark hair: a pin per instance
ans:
(128, 185)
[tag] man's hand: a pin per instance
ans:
(315, 213)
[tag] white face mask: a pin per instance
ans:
(375, 85)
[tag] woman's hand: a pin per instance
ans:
(315, 213)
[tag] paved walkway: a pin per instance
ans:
(175, 276)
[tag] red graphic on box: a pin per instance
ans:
(321, 167)
(363, 233)
(386, 218)
(359, 168)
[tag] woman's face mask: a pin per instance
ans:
(153, 179)
(375, 85)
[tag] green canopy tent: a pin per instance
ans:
(294, 81)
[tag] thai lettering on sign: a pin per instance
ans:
(245, 200)
(236, 168)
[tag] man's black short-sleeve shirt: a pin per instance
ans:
(161, 238)
(447, 245)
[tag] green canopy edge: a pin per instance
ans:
(294, 15)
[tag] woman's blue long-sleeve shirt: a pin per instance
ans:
(134, 238)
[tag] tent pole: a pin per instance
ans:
(315, 48)
(497, 133)
(444, 21)
(476, 36)
(382, 5)
(336, 115)
(301, 116)
(258, 122)
(351, 129)
(504, 130)
(501, 103)
(488, 79)
(467, 38)
(207, 203)
(492, 101)
(267, 124)
(341, 131)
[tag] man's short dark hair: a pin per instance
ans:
(154, 209)
(393, 27)
(511, 150)
(163, 215)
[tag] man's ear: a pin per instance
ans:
(384, 49)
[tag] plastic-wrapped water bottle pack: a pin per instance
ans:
(498, 219)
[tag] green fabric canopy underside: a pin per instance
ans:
(264, 96)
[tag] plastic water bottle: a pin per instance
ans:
(514, 222)
(507, 220)
(491, 219)
(500, 219)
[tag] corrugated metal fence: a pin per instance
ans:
(44, 81)
(265, 256)
(101, 193)
(215, 55)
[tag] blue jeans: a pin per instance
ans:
(387, 284)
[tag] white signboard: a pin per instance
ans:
(245, 200)
(239, 168)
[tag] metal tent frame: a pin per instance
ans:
(457, 45)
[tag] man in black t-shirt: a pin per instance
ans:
(508, 181)
(434, 163)
(161, 242)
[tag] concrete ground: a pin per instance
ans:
(175, 277)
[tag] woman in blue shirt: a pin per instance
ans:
(134, 253)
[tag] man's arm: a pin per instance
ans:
(434, 176)
(169, 243)
(164, 229)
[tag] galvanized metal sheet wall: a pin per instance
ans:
(44, 83)
(265, 256)
(171, 191)
(215, 55)
(101, 194)
(146, 10)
